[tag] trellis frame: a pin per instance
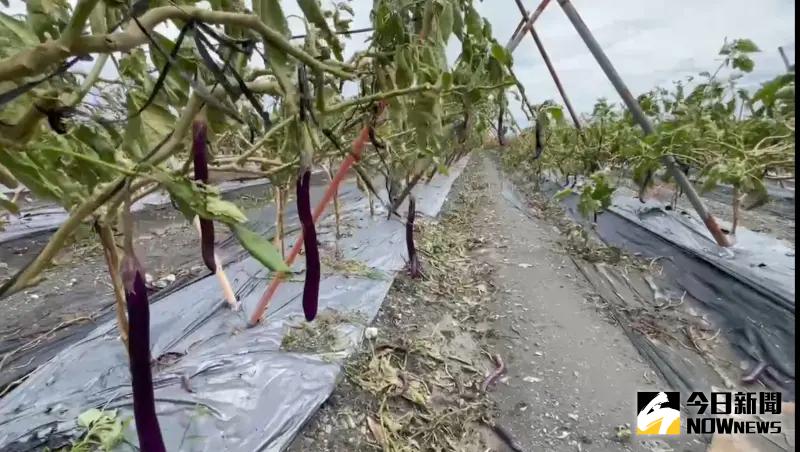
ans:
(622, 89)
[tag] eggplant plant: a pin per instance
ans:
(232, 92)
(718, 132)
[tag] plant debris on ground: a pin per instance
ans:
(416, 382)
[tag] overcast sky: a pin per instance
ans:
(650, 42)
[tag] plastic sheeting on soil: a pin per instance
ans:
(47, 217)
(748, 288)
(32, 350)
(220, 385)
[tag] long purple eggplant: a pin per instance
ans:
(313, 273)
(144, 407)
(539, 145)
(414, 267)
(200, 154)
(500, 135)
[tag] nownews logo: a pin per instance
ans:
(659, 413)
(739, 403)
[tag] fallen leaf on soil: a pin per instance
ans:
(376, 430)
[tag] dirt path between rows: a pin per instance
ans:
(573, 374)
(498, 284)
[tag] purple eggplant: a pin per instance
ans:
(414, 267)
(200, 154)
(500, 132)
(539, 145)
(313, 273)
(144, 407)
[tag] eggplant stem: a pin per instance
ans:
(227, 290)
(336, 211)
(363, 186)
(414, 267)
(113, 263)
(280, 207)
(736, 203)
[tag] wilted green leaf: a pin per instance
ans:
(743, 63)
(193, 199)
(446, 80)
(555, 112)
(31, 174)
(745, 46)
(404, 75)
(311, 9)
(601, 190)
(89, 417)
(501, 54)
(14, 34)
(47, 17)
(224, 210)
(260, 248)
(458, 22)
(6, 204)
(768, 90)
(563, 194)
(446, 21)
(474, 22)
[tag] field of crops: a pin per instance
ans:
(209, 91)
(719, 133)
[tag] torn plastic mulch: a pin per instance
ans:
(220, 385)
(748, 288)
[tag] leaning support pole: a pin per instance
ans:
(639, 117)
(358, 147)
(522, 22)
(784, 58)
(517, 38)
(550, 67)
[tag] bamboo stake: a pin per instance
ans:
(280, 205)
(227, 290)
(358, 147)
(736, 204)
(113, 263)
(335, 203)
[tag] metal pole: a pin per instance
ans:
(519, 26)
(784, 58)
(550, 68)
(521, 88)
(516, 39)
(642, 120)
